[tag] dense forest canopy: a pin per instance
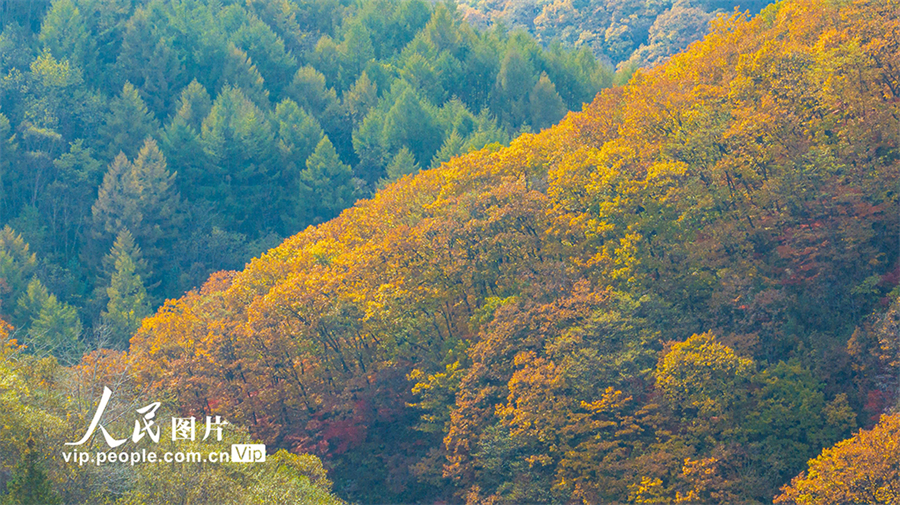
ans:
(681, 294)
(629, 33)
(146, 144)
(686, 292)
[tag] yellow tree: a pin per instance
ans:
(861, 469)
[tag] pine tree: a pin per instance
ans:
(369, 145)
(409, 123)
(360, 98)
(29, 484)
(487, 132)
(325, 186)
(150, 63)
(267, 50)
(298, 134)
(56, 328)
(355, 52)
(310, 91)
(424, 78)
(54, 325)
(194, 104)
(546, 106)
(142, 198)
(239, 140)
(158, 199)
(240, 72)
(128, 301)
(125, 246)
(17, 264)
(514, 81)
(30, 303)
(184, 153)
(64, 32)
(180, 142)
(441, 30)
(453, 146)
(127, 124)
(117, 199)
(404, 163)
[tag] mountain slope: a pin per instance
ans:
(635, 32)
(651, 300)
(238, 124)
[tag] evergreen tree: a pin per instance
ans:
(403, 163)
(454, 115)
(194, 104)
(150, 63)
(240, 72)
(141, 197)
(409, 123)
(7, 151)
(408, 19)
(510, 94)
(487, 132)
(267, 50)
(327, 59)
(180, 141)
(360, 98)
(65, 34)
(30, 303)
(546, 106)
(422, 76)
(127, 124)
(184, 152)
(356, 52)
(370, 146)
(479, 73)
(54, 325)
(310, 91)
(453, 146)
(159, 200)
(125, 245)
(298, 134)
(116, 206)
(128, 300)
(29, 484)
(441, 30)
(239, 140)
(325, 186)
(17, 264)
(450, 71)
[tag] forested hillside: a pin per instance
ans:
(630, 33)
(681, 294)
(146, 144)
(44, 405)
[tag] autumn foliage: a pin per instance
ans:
(862, 469)
(649, 302)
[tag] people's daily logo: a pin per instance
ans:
(146, 425)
